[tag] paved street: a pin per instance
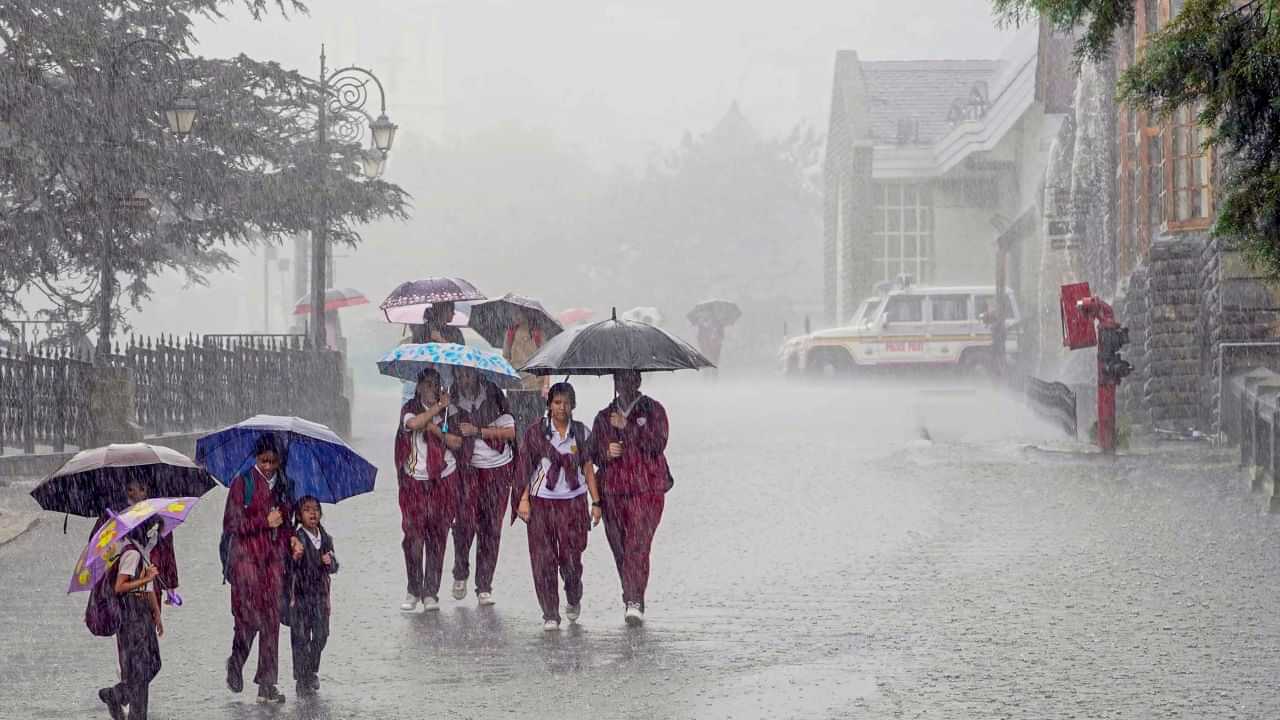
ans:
(818, 559)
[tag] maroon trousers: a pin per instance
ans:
(255, 601)
(482, 505)
(557, 537)
(268, 634)
(629, 523)
(425, 516)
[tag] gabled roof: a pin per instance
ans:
(873, 99)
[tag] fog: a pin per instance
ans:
(537, 141)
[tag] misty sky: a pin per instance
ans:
(618, 82)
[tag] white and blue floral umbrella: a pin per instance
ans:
(406, 361)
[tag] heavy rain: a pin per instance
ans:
(487, 359)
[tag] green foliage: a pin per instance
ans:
(83, 144)
(1222, 56)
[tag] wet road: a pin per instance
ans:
(817, 559)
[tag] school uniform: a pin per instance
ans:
(484, 480)
(632, 487)
(256, 570)
(552, 466)
(307, 587)
(136, 642)
(428, 499)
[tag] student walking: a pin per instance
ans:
(137, 639)
(484, 479)
(425, 464)
(307, 593)
(555, 480)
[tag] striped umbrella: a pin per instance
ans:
(334, 298)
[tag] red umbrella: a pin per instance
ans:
(334, 298)
(573, 316)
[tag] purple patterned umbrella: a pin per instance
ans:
(411, 298)
(106, 544)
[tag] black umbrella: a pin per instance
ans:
(612, 345)
(94, 480)
(406, 303)
(718, 312)
(492, 318)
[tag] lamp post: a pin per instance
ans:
(179, 112)
(344, 93)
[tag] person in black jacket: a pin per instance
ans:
(307, 594)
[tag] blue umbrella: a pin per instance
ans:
(406, 361)
(316, 461)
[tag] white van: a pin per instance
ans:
(908, 325)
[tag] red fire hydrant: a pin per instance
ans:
(1080, 311)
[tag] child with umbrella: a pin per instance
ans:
(270, 462)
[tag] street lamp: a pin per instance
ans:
(373, 161)
(344, 93)
(181, 115)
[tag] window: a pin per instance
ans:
(903, 238)
(949, 308)
(1189, 202)
(903, 308)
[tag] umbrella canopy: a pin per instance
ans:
(334, 299)
(406, 361)
(573, 316)
(93, 481)
(105, 545)
(646, 314)
(406, 303)
(715, 312)
(611, 345)
(316, 461)
(492, 318)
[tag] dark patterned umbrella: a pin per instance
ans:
(406, 303)
(94, 480)
(716, 312)
(611, 345)
(492, 318)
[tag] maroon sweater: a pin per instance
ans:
(643, 465)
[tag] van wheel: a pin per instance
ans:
(829, 364)
(977, 364)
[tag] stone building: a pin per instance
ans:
(929, 161)
(1133, 199)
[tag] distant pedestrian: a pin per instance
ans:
(425, 464)
(486, 463)
(137, 639)
(522, 341)
(258, 503)
(556, 478)
(629, 441)
(710, 339)
(307, 594)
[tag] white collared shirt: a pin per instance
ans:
(563, 444)
(484, 456)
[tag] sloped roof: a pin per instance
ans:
(920, 89)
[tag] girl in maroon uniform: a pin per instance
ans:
(556, 477)
(425, 465)
(629, 441)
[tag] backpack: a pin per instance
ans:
(102, 612)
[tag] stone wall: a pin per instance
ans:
(1133, 311)
(1172, 346)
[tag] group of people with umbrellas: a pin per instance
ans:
(466, 460)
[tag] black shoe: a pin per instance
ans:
(115, 709)
(269, 694)
(315, 682)
(234, 681)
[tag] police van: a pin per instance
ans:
(908, 325)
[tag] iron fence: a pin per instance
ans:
(181, 384)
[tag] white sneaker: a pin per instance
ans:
(573, 612)
(551, 626)
(634, 615)
(485, 598)
(459, 589)
(430, 604)
(410, 603)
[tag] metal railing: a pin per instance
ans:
(181, 384)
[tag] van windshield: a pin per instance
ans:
(866, 309)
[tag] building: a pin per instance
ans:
(1134, 198)
(929, 162)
